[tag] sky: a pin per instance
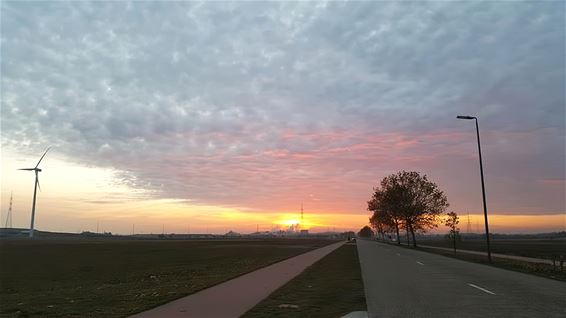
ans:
(216, 116)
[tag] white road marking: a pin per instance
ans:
(420, 263)
(482, 289)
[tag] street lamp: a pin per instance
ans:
(482, 185)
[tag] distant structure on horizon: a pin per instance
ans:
(302, 230)
(469, 225)
(9, 215)
(302, 216)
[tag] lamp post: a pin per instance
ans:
(482, 185)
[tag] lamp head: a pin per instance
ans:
(466, 117)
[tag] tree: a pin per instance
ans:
(380, 222)
(384, 218)
(407, 199)
(452, 221)
(365, 232)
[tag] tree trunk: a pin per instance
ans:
(407, 230)
(413, 235)
(398, 238)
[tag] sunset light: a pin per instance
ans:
(282, 159)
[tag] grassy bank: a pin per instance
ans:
(538, 248)
(106, 278)
(543, 270)
(332, 287)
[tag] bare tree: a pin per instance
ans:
(383, 218)
(452, 221)
(410, 200)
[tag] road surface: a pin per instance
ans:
(235, 297)
(400, 282)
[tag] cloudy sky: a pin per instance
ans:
(231, 114)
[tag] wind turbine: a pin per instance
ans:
(37, 170)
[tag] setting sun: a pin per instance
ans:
(289, 222)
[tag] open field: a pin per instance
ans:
(538, 248)
(106, 278)
(332, 287)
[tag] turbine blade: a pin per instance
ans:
(42, 157)
(38, 184)
(28, 169)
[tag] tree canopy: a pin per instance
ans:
(366, 231)
(407, 200)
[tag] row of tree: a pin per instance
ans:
(366, 232)
(406, 200)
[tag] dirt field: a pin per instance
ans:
(105, 278)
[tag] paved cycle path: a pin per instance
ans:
(235, 297)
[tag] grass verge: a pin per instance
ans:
(104, 278)
(332, 287)
(539, 269)
(537, 248)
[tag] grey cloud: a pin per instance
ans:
(196, 99)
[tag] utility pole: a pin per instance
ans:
(302, 215)
(469, 225)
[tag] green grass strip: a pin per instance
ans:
(332, 287)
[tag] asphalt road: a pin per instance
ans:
(400, 282)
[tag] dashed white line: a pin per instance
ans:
(482, 289)
(420, 263)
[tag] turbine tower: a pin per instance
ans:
(37, 171)
(9, 216)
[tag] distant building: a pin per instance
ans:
(233, 234)
(304, 233)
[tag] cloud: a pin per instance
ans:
(259, 105)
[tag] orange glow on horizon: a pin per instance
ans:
(86, 196)
(289, 222)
